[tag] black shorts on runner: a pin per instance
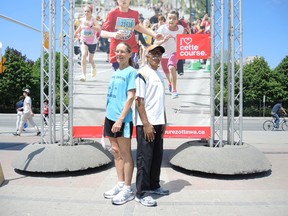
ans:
(91, 47)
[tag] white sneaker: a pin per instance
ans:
(113, 192)
(123, 196)
(146, 201)
(93, 72)
(83, 78)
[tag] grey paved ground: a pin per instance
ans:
(80, 193)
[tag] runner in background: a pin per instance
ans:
(154, 18)
(161, 21)
(88, 28)
(119, 26)
(169, 62)
(77, 42)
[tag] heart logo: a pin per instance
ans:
(187, 40)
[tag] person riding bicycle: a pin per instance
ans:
(276, 110)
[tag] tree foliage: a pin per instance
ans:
(281, 73)
(23, 73)
(260, 81)
(257, 83)
(17, 76)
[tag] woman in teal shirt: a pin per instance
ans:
(118, 124)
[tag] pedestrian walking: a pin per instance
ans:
(19, 110)
(27, 114)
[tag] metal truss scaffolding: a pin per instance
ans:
(66, 71)
(218, 61)
(235, 73)
(233, 77)
(48, 70)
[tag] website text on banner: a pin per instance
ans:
(171, 132)
(193, 46)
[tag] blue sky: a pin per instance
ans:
(264, 28)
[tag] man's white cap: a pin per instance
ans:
(26, 90)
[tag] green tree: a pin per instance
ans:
(17, 76)
(281, 74)
(258, 81)
(36, 74)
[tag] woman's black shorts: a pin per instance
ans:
(125, 131)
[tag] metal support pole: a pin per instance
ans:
(66, 72)
(48, 70)
(235, 74)
(217, 74)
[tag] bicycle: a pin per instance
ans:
(269, 125)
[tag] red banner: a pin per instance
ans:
(171, 132)
(193, 46)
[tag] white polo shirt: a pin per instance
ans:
(150, 87)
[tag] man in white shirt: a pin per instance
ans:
(27, 114)
(150, 127)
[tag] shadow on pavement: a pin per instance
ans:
(222, 177)
(13, 146)
(89, 171)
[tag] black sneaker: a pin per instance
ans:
(16, 134)
(38, 133)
